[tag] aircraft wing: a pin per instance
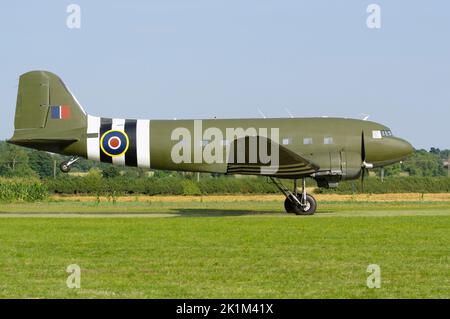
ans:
(290, 164)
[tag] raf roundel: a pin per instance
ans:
(114, 143)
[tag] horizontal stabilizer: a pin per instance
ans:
(51, 145)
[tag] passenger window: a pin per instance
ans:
(307, 141)
(328, 140)
(377, 134)
(287, 140)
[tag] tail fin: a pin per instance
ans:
(47, 115)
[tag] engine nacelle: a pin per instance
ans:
(347, 166)
(351, 165)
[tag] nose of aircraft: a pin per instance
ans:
(390, 150)
(402, 148)
(396, 149)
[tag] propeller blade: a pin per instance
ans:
(363, 148)
(363, 161)
(363, 173)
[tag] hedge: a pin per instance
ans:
(20, 189)
(158, 186)
(394, 185)
(229, 185)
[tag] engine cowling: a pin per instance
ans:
(352, 166)
(347, 167)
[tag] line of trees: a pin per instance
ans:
(30, 175)
(421, 163)
(17, 161)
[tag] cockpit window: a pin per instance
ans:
(381, 133)
(386, 133)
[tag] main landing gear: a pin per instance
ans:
(297, 203)
(67, 165)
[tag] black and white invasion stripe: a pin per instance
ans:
(138, 132)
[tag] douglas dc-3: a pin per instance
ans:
(49, 118)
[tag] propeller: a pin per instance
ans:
(364, 165)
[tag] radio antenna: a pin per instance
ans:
(261, 112)
(289, 112)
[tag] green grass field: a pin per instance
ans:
(231, 249)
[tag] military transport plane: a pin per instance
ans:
(48, 117)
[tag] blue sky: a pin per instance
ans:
(204, 59)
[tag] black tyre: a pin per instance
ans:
(289, 206)
(294, 208)
(64, 167)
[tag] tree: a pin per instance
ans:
(110, 171)
(41, 162)
(14, 161)
(423, 163)
(435, 151)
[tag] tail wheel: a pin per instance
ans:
(294, 208)
(64, 167)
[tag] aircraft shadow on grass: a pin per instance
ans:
(208, 212)
(175, 212)
(197, 212)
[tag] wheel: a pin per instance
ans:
(294, 208)
(310, 208)
(289, 206)
(64, 167)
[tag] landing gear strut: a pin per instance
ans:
(67, 165)
(297, 203)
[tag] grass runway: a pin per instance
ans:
(225, 247)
